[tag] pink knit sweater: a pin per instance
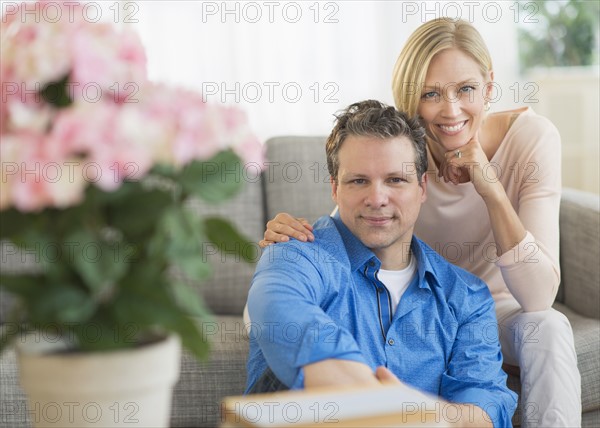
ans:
(454, 219)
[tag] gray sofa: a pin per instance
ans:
(296, 181)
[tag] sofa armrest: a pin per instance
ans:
(580, 251)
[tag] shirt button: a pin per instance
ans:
(371, 263)
(391, 342)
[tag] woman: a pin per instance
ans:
(492, 207)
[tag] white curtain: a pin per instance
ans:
(292, 65)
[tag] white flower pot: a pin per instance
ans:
(100, 389)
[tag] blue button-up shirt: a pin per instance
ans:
(311, 302)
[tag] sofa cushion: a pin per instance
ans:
(586, 332)
(297, 181)
(202, 385)
(13, 402)
(587, 344)
(591, 419)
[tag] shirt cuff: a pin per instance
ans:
(336, 344)
(519, 252)
(495, 409)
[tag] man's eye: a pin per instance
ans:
(358, 181)
(397, 180)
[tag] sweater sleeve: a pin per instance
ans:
(531, 268)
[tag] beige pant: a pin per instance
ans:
(541, 344)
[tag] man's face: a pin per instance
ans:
(378, 194)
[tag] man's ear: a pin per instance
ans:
(334, 187)
(424, 187)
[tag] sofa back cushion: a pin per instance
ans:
(297, 180)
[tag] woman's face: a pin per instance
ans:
(453, 98)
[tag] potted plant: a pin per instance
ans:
(97, 166)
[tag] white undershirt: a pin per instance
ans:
(397, 281)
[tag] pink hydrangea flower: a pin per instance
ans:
(52, 151)
(33, 177)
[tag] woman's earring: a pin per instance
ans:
(487, 106)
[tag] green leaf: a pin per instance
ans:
(215, 180)
(58, 303)
(191, 337)
(188, 298)
(102, 334)
(137, 308)
(176, 230)
(97, 196)
(194, 266)
(13, 223)
(40, 245)
(180, 238)
(145, 302)
(25, 286)
(164, 170)
(177, 227)
(221, 233)
(100, 264)
(56, 93)
(139, 213)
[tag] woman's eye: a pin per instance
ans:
(467, 88)
(429, 95)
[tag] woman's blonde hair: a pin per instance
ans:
(428, 40)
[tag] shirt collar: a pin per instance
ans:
(424, 266)
(359, 254)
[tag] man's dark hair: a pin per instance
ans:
(372, 118)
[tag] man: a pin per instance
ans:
(367, 294)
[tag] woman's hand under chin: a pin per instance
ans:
(470, 163)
